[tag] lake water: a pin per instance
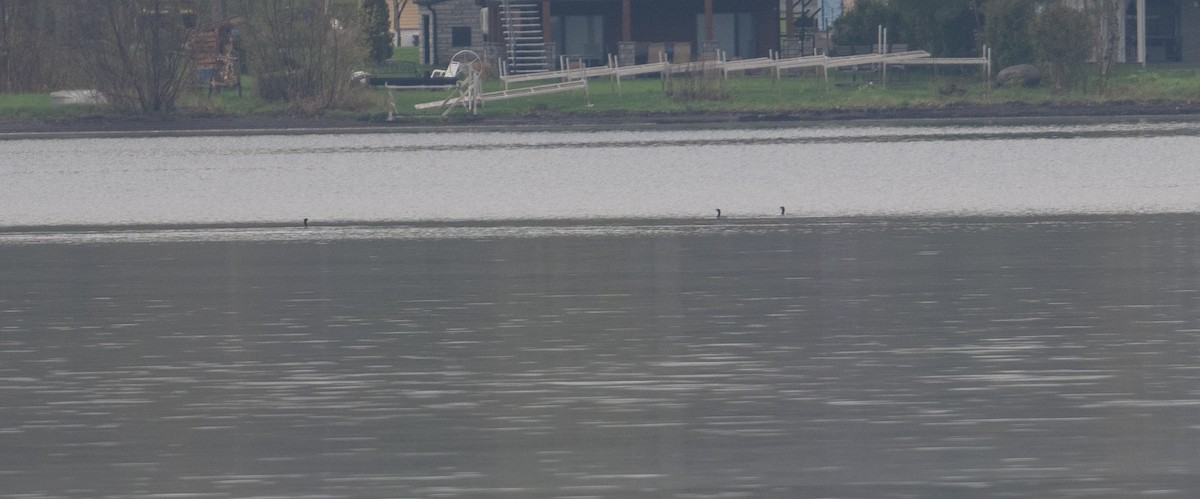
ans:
(812, 170)
(954, 311)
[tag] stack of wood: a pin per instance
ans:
(213, 60)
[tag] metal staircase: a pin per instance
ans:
(525, 49)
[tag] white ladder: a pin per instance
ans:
(525, 48)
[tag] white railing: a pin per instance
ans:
(571, 77)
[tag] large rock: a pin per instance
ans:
(1021, 74)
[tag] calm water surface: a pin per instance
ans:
(813, 171)
(555, 345)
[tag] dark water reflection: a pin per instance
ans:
(874, 358)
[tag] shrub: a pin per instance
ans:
(135, 53)
(375, 30)
(701, 83)
(1006, 31)
(1062, 37)
(299, 54)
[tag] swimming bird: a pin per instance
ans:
(782, 210)
(306, 223)
(718, 213)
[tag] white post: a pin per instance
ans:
(616, 65)
(883, 49)
(392, 100)
(1141, 32)
(504, 73)
(666, 72)
(615, 78)
(587, 93)
(778, 72)
(987, 66)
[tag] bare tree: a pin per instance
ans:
(33, 41)
(1062, 37)
(799, 15)
(134, 51)
(300, 52)
(1106, 15)
(376, 30)
(398, 7)
(1006, 31)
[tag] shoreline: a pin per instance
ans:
(184, 125)
(608, 222)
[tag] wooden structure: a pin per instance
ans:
(777, 65)
(577, 75)
(214, 61)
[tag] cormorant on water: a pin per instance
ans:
(782, 210)
(718, 213)
(306, 223)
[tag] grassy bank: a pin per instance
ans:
(806, 92)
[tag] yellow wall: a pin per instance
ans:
(410, 17)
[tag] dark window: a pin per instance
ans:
(460, 36)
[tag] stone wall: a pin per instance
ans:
(461, 14)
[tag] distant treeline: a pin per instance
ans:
(139, 53)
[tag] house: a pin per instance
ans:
(1149, 31)
(1160, 31)
(405, 23)
(213, 57)
(1154, 31)
(531, 35)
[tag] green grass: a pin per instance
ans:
(1135, 83)
(198, 101)
(195, 101)
(39, 106)
(917, 88)
(747, 94)
(406, 54)
(404, 62)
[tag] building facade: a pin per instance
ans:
(532, 35)
(1150, 31)
(405, 21)
(1154, 31)
(1161, 31)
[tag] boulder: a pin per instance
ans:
(1021, 74)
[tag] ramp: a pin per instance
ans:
(551, 88)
